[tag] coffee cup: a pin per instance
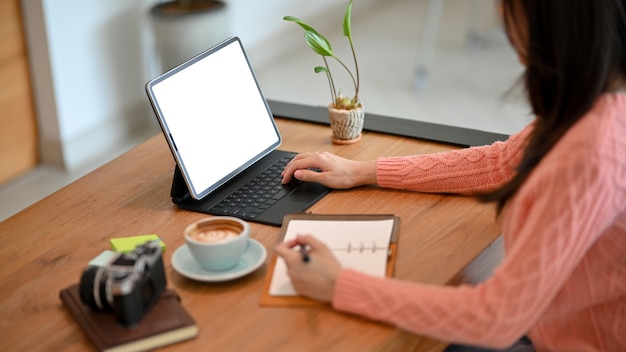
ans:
(217, 243)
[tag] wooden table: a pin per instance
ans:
(46, 247)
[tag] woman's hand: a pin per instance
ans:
(316, 277)
(330, 170)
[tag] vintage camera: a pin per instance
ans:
(128, 285)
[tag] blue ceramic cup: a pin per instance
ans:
(217, 243)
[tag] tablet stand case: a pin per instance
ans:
(179, 192)
(309, 195)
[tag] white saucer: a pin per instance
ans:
(252, 259)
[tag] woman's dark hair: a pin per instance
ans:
(575, 51)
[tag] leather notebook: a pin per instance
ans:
(365, 242)
(165, 323)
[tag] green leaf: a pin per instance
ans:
(319, 69)
(299, 22)
(318, 43)
(347, 28)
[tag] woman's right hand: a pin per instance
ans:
(330, 170)
(316, 277)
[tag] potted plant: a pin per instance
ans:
(185, 28)
(346, 114)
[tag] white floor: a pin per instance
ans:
(466, 85)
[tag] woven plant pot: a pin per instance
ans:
(347, 125)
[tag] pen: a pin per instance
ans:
(305, 254)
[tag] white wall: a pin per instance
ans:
(91, 59)
(261, 27)
(88, 72)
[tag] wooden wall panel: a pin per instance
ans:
(18, 129)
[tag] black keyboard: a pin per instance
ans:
(258, 194)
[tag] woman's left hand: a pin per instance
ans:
(316, 277)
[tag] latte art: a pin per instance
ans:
(215, 235)
(214, 231)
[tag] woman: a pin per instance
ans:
(560, 186)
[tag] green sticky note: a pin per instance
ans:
(128, 244)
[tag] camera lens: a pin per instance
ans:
(93, 289)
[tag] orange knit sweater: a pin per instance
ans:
(563, 279)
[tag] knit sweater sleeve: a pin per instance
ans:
(550, 225)
(462, 171)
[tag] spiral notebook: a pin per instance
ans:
(366, 243)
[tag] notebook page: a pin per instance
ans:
(362, 245)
